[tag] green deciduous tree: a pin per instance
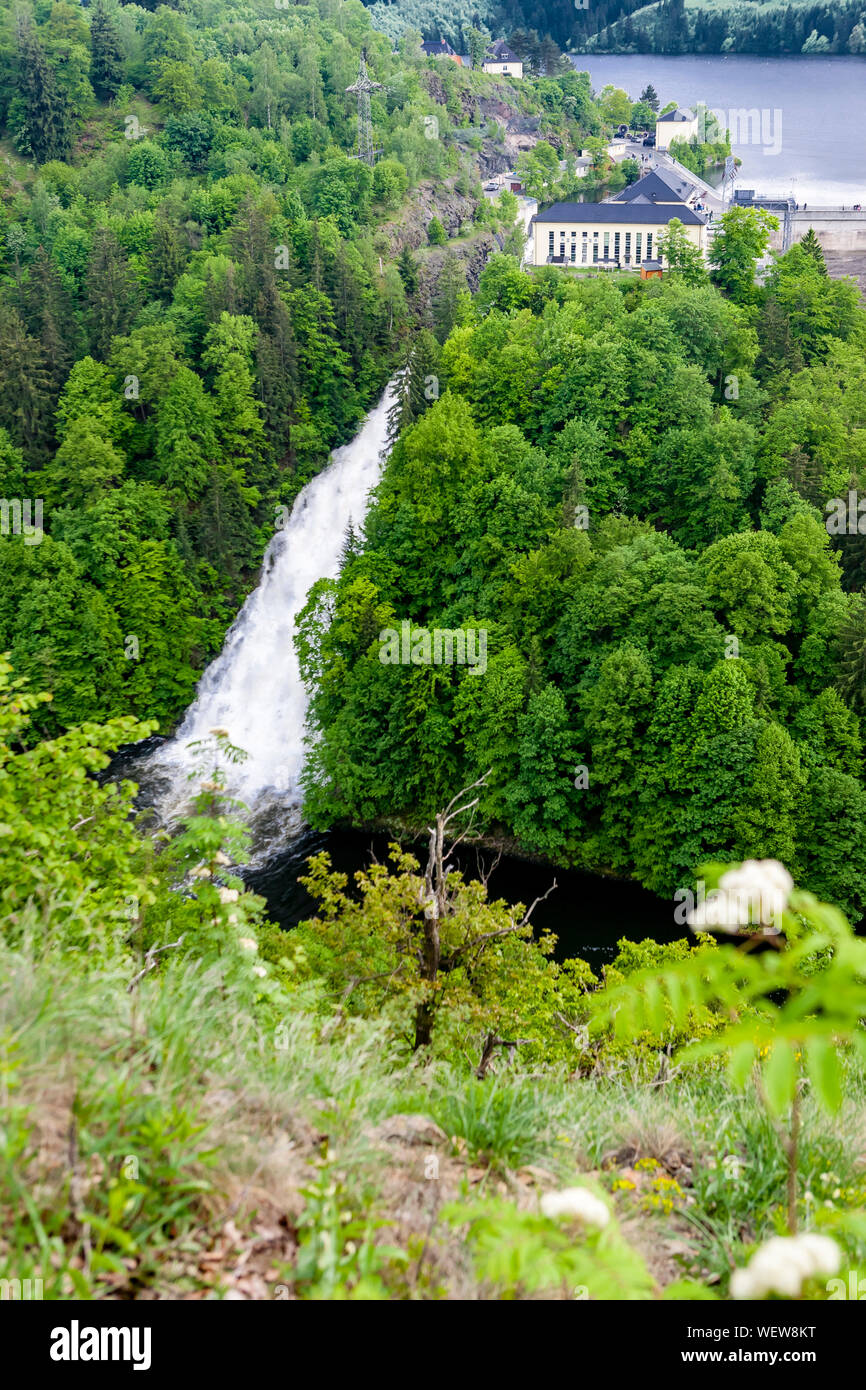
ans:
(742, 239)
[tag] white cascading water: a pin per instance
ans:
(254, 689)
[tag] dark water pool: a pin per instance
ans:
(588, 913)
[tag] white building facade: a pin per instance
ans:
(500, 59)
(680, 124)
(609, 235)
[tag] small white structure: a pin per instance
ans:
(499, 58)
(680, 124)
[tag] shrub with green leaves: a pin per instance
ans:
(793, 1009)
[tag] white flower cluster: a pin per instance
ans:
(577, 1202)
(754, 894)
(783, 1264)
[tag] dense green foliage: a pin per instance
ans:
(625, 488)
(621, 486)
(734, 26)
(186, 1088)
(635, 26)
(194, 309)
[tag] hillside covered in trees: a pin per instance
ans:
(201, 292)
(622, 487)
(633, 26)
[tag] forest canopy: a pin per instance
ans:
(625, 488)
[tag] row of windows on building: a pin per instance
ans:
(601, 250)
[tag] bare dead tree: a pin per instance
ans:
(438, 904)
(435, 900)
(150, 962)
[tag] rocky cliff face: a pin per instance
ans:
(454, 210)
(508, 131)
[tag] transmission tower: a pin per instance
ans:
(364, 86)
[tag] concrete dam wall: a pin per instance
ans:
(841, 232)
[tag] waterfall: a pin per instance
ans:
(253, 689)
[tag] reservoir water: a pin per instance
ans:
(812, 149)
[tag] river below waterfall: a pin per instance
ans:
(588, 913)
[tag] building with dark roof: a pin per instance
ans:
(617, 234)
(440, 48)
(613, 213)
(657, 188)
(500, 58)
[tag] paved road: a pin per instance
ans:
(650, 158)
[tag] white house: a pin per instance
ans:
(499, 58)
(611, 235)
(680, 124)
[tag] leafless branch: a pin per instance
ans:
(150, 961)
(484, 874)
(542, 899)
(491, 1043)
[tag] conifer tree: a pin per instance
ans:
(812, 246)
(106, 65)
(779, 348)
(446, 300)
(417, 384)
(650, 96)
(851, 681)
(112, 291)
(166, 259)
(38, 113)
(407, 270)
(48, 311)
(25, 387)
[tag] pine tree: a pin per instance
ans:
(352, 546)
(112, 292)
(37, 113)
(407, 271)
(806, 476)
(851, 550)
(106, 64)
(451, 281)
(25, 387)
(650, 96)
(417, 384)
(779, 349)
(276, 362)
(48, 311)
(851, 681)
(252, 249)
(812, 246)
(166, 260)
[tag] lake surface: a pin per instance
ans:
(813, 150)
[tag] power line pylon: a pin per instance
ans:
(364, 86)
